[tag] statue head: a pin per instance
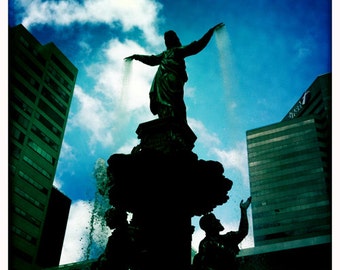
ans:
(171, 39)
(209, 223)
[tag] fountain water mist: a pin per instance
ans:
(127, 69)
(126, 73)
(224, 47)
(224, 50)
(98, 231)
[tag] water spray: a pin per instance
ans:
(223, 45)
(126, 79)
(97, 236)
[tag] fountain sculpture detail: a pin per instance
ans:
(162, 182)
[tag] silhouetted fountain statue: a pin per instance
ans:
(162, 182)
(166, 93)
(218, 251)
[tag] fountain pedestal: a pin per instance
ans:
(163, 184)
(166, 135)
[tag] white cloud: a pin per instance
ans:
(190, 92)
(197, 237)
(128, 14)
(235, 158)
(85, 47)
(78, 233)
(125, 83)
(66, 152)
(121, 93)
(204, 136)
(127, 148)
(58, 183)
(93, 117)
(65, 164)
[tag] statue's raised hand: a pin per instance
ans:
(218, 26)
(130, 58)
(245, 205)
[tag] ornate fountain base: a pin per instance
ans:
(163, 184)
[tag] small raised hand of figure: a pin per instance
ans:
(245, 205)
(130, 58)
(217, 26)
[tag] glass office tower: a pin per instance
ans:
(41, 84)
(290, 172)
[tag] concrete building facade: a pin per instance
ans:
(41, 84)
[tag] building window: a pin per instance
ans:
(24, 235)
(54, 100)
(17, 134)
(23, 89)
(33, 182)
(37, 167)
(20, 119)
(44, 138)
(51, 113)
(57, 89)
(27, 216)
(41, 152)
(59, 78)
(29, 198)
(24, 41)
(62, 67)
(23, 255)
(21, 104)
(24, 74)
(14, 151)
(47, 124)
(30, 63)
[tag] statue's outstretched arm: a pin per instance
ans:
(197, 46)
(244, 226)
(151, 60)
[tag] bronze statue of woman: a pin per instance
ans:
(167, 89)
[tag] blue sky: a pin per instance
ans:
(248, 76)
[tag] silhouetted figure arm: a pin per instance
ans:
(244, 225)
(243, 228)
(191, 49)
(151, 60)
(197, 46)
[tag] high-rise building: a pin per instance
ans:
(290, 182)
(41, 84)
(52, 237)
(289, 170)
